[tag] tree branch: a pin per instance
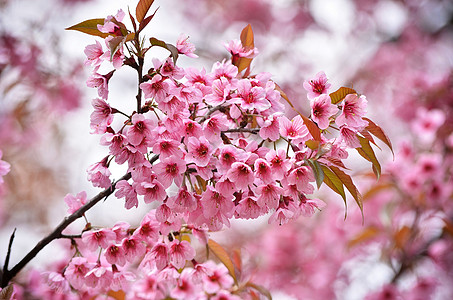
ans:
(55, 234)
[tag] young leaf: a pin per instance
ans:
(335, 184)
(223, 256)
(247, 42)
(379, 133)
(142, 9)
(263, 291)
(347, 182)
(90, 27)
(340, 94)
(366, 234)
(317, 171)
(173, 50)
(368, 153)
(146, 21)
(115, 44)
(134, 24)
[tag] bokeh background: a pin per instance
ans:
(397, 53)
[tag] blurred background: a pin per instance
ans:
(397, 53)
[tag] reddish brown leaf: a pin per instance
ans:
(146, 21)
(118, 295)
(340, 94)
(263, 291)
(247, 42)
(379, 133)
(335, 184)
(223, 256)
(402, 237)
(349, 184)
(142, 9)
(368, 153)
(90, 27)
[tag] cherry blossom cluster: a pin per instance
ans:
(202, 148)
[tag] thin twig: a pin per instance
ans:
(8, 254)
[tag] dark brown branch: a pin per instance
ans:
(56, 233)
(8, 254)
(250, 130)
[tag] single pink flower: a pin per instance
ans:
(115, 255)
(294, 129)
(185, 47)
(321, 110)
(101, 117)
(183, 201)
(76, 270)
(237, 50)
(74, 203)
(99, 238)
(159, 254)
(179, 252)
(213, 126)
(301, 177)
(156, 88)
(427, 122)
(353, 109)
(349, 137)
(241, 174)
(166, 148)
(147, 232)
(224, 69)
(280, 165)
(199, 151)
(227, 156)
(269, 127)
(185, 287)
(192, 128)
(212, 202)
(98, 174)
(251, 97)
(221, 91)
(317, 86)
(94, 53)
(170, 169)
(263, 170)
(269, 195)
(100, 82)
(309, 206)
(124, 189)
(99, 277)
(141, 129)
(217, 278)
(248, 208)
(133, 248)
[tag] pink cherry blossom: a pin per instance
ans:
(353, 109)
(115, 254)
(269, 195)
(217, 279)
(133, 248)
(156, 88)
(99, 174)
(248, 207)
(280, 165)
(221, 91)
(185, 287)
(241, 174)
(427, 122)
(185, 47)
(301, 177)
(170, 169)
(237, 50)
(159, 254)
(77, 268)
(101, 117)
(99, 277)
(124, 189)
(251, 97)
(179, 252)
(199, 151)
(74, 203)
(269, 127)
(321, 110)
(317, 86)
(348, 136)
(213, 202)
(182, 202)
(224, 69)
(99, 238)
(213, 126)
(94, 53)
(140, 129)
(294, 129)
(100, 82)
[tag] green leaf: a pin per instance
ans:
(317, 171)
(349, 184)
(340, 94)
(142, 9)
(223, 256)
(173, 50)
(335, 184)
(368, 153)
(379, 133)
(90, 27)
